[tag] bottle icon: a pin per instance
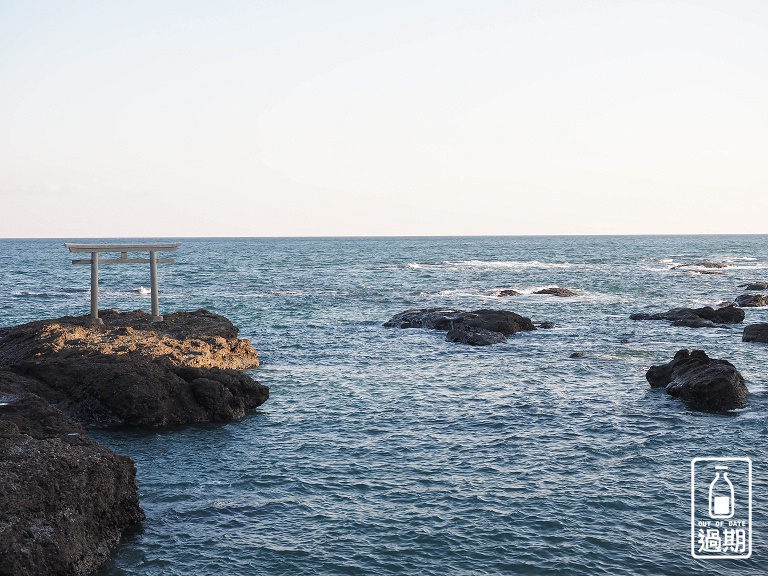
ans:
(721, 495)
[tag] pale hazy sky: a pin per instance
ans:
(283, 118)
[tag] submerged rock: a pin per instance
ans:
(755, 333)
(477, 328)
(752, 300)
(700, 380)
(133, 372)
(755, 286)
(693, 323)
(555, 291)
(696, 317)
(703, 264)
(507, 292)
(64, 499)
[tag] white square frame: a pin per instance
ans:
(693, 507)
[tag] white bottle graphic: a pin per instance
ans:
(721, 495)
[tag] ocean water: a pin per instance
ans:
(388, 451)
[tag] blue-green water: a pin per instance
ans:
(387, 451)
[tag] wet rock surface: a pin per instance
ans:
(755, 333)
(475, 336)
(701, 381)
(754, 286)
(752, 300)
(507, 292)
(703, 264)
(64, 499)
(555, 291)
(133, 372)
(696, 317)
(476, 328)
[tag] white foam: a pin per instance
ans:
(144, 291)
(488, 265)
(511, 264)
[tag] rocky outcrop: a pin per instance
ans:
(200, 339)
(755, 286)
(703, 264)
(133, 372)
(701, 381)
(752, 300)
(507, 292)
(755, 333)
(476, 328)
(696, 317)
(555, 291)
(64, 499)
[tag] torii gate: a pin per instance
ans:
(96, 249)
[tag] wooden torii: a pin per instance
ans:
(123, 249)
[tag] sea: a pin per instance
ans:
(389, 451)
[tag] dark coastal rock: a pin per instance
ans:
(703, 264)
(546, 325)
(578, 355)
(507, 292)
(693, 323)
(475, 336)
(755, 286)
(432, 318)
(755, 333)
(133, 372)
(696, 317)
(477, 328)
(64, 499)
(752, 300)
(702, 381)
(564, 292)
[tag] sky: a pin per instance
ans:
(332, 118)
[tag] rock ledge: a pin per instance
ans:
(183, 370)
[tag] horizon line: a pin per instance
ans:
(386, 236)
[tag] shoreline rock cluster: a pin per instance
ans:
(705, 317)
(476, 328)
(692, 376)
(64, 499)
